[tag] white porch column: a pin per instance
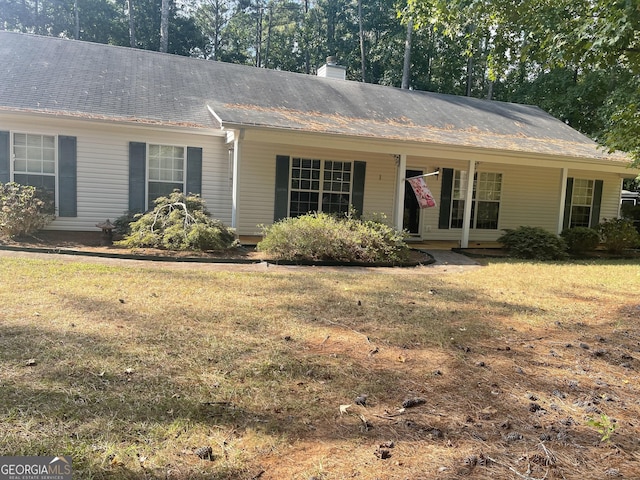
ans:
(401, 161)
(563, 196)
(468, 200)
(235, 181)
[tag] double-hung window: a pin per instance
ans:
(485, 206)
(166, 171)
(34, 162)
(319, 186)
(581, 202)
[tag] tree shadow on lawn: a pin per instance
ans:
(266, 366)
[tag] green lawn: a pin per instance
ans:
(129, 370)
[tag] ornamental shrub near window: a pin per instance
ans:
(581, 239)
(23, 209)
(324, 237)
(178, 222)
(618, 234)
(534, 243)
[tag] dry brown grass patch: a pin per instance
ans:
(131, 370)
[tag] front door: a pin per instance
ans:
(411, 218)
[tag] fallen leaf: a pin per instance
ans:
(344, 409)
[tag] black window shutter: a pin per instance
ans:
(445, 198)
(357, 194)
(597, 200)
(67, 176)
(567, 204)
(137, 175)
(194, 170)
(281, 205)
(5, 156)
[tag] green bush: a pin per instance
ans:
(24, 210)
(178, 222)
(534, 243)
(323, 237)
(581, 239)
(618, 234)
(122, 224)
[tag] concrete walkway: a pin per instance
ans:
(446, 261)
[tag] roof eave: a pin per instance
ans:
(114, 119)
(611, 163)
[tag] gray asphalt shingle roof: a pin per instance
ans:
(58, 76)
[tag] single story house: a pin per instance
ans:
(108, 129)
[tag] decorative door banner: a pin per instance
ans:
(423, 194)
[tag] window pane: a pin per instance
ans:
(34, 141)
(34, 153)
(487, 215)
(20, 153)
(154, 150)
(582, 192)
(580, 216)
(20, 166)
(20, 139)
(34, 166)
(457, 212)
(48, 167)
(161, 189)
(48, 154)
(48, 142)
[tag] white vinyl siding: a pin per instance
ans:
(103, 166)
(257, 181)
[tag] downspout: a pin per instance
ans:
(466, 217)
(235, 196)
(563, 196)
(401, 162)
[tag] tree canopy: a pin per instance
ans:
(577, 59)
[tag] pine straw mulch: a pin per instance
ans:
(91, 243)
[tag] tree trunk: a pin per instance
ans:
(469, 74)
(164, 26)
(406, 73)
(76, 30)
(269, 25)
(132, 25)
(362, 57)
(307, 54)
(258, 34)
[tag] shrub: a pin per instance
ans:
(122, 224)
(534, 243)
(178, 222)
(581, 239)
(323, 237)
(24, 210)
(618, 234)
